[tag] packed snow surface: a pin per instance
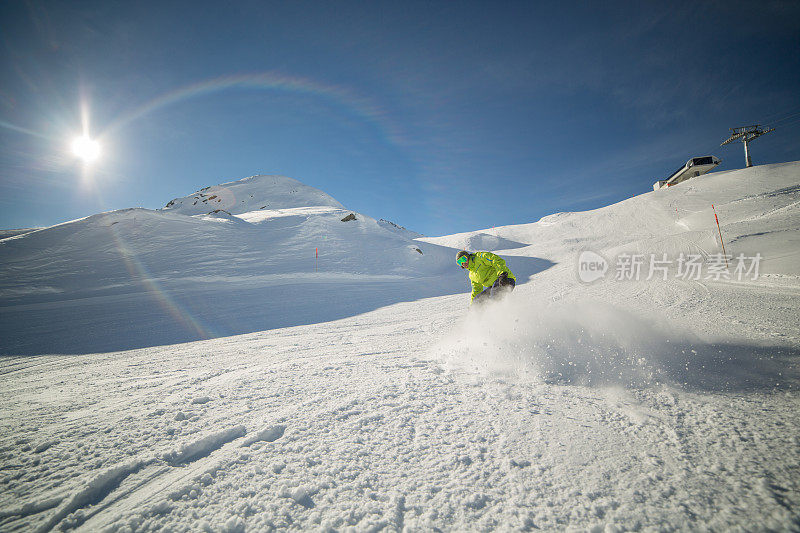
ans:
(257, 363)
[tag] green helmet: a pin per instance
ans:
(462, 258)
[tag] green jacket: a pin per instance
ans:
(484, 268)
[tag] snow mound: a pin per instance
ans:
(488, 242)
(252, 194)
(268, 434)
(203, 446)
(477, 241)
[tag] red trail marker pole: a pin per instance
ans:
(724, 253)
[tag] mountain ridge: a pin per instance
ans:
(261, 191)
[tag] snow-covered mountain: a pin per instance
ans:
(219, 261)
(632, 381)
(252, 194)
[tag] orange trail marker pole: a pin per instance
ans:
(724, 253)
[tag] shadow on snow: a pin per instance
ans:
(145, 319)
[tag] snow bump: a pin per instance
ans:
(269, 434)
(204, 446)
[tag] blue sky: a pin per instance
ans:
(440, 116)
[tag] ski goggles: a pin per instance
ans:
(462, 261)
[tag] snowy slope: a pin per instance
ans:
(757, 207)
(188, 272)
(5, 233)
(617, 405)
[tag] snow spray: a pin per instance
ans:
(579, 343)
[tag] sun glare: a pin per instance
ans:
(86, 149)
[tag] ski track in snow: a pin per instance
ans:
(616, 406)
(313, 427)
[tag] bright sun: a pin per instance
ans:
(86, 149)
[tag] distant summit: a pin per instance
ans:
(252, 194)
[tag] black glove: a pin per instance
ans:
(502, 278)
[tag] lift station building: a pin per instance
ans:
(696, 166)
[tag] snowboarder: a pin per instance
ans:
(486, 270)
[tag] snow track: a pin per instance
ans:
(95, 490)
(155, 488)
